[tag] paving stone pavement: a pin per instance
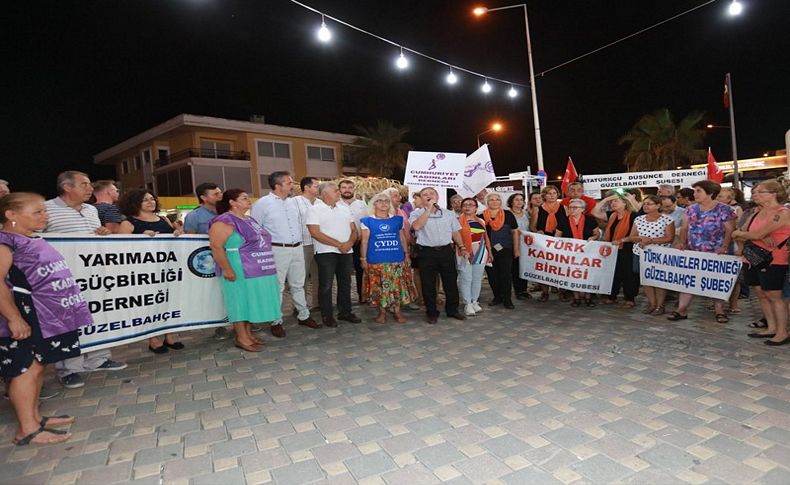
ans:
(545, 393)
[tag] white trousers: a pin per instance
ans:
(87, 362)
(470, 279)
(290, 267)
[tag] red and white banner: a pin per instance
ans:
(570, 264)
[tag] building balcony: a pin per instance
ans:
(209, 153)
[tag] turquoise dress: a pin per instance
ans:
(254, 300)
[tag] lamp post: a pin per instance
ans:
(496, 127)
(480, 11)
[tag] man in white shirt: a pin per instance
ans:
(334, 233)
(69, 212)
(358, 210)
(309, 187)
(279, 215)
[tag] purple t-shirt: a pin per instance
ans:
(59, 305)
(706, 228)
(257, 257)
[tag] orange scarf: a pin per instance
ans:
(466, 232)
(622, 230)
(551, 221)
(577, 229)
(497, 222)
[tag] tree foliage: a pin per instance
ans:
(380, 150)
(656, 142)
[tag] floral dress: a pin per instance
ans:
(387, 280)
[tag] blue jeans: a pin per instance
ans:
(470, 279)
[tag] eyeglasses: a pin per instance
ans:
(763, 192)
(575, 207)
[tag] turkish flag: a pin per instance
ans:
(726, 98)
(569, 177)
(714, 172)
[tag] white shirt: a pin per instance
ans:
(64, 218)
(358, 210)
(304, 204)
(335, 222)
(280, 218)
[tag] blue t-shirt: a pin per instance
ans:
(384, 241)
(197, 221)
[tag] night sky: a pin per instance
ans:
(82, 76)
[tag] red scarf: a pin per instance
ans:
(497, 222)
(551, 220)
(622, 230)
(577, 229)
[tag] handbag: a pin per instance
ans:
(758, 258)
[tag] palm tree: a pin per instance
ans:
(657, 143)
(380, 150)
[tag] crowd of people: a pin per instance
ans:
(404, 254)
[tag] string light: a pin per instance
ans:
(486, 88)
(402, 62)
(512, 92)
(324, 35)
(452, 78)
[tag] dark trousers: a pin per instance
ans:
(439, 261)
(333, 266)
(358, 271)
(519, 285)
(500, 275)
(624, 276)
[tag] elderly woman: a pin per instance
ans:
(545, 219)
(140, 208)
(652, 228)
(769, 229)
(502, 231)
(472, 263)
(580, 226)
(517, 205)
(618, 232)
(242, 250)
(707, 227)
(47, 330)
(385, 259)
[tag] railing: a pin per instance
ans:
(202, 153)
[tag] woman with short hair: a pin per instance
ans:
(583, 227)
(545, 219)
(471, 264)
(617, 232)
(502, 232)
(517, 205)
(652, 228)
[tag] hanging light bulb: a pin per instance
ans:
(736, 8)
(452, 78)
(402, 62)
(486, 88)
(324, 34)
(512, 92)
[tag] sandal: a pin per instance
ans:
(249, 348)
(608, 301)
(576, 302)
(761, 323)
(629, 304)
(649, 310)
(589, 302)
(26, 440)
(399, 317)
(722, 318)
(675, 316)
(544, 296)
(659, 310)
(68, 420)
(734, 311)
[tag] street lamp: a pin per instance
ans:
(495, 127)
(710, 127)
(479, 12)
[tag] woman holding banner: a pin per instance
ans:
(41, 310)
(242, 250)
(580, 226)
(769, 230)
(140, 208)
(618, 232)
(652, 228)
(545, 219)
(517, 205)
(471, 264)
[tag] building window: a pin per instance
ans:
(137, 162)
(124, 167)
(215, 149)
(324, 154)
(163, 154)
(274, 149)
(147, 156)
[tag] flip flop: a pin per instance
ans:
(722, 318)
(249, 348)
(761, 323)
(675, 316)
(45, 420)
(776, 344)
(24, 441)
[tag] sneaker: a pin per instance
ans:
(221, 333)
(414, 306)
(477, 307)
(469, 310)
(112, 365)
(72, 381)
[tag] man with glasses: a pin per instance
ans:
(70, 213)
(436, 229)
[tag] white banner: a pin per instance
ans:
(704, 274)
(139, 287)
(571, 264)
(478, 172)
(505, 189)
(683, 178)
(434, 169)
